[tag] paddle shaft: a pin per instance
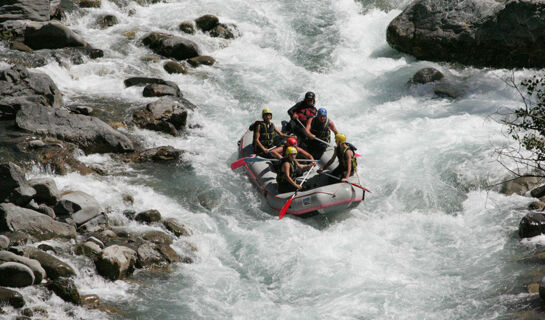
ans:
(354, 184)
(288, 203)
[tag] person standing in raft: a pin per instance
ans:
(318, 127)
(347, 159)
(264, 135)
(303, 111)
(285, 179)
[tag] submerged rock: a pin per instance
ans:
(225, 31)
(66, 289)
(174, 67)
(160, 90)
(12, 298)
(107, 21)
(148, 216)
(51, 35)
(205, 60)
(175, 226)
(159, 154)
(207, 22)
(187, 27)
(426, 75)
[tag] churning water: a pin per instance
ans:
(429, 243)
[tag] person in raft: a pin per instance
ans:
(303, 111)
(291, 142)
(319, 127)
(285, 179)
(347, 159)
(264, 135)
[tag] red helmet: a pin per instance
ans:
(292, 142)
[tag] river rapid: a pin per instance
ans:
(429, 242)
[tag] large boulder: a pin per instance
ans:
(90, 133)
(66, 289)
(520, 185)
(53, 266)
(46, 190)
(38, 225)
(159, 154)
(20, 87)
(34, 265)
(116, 262)
(148, 216)
(51, 35)
(207, 22)
(160, 90)
(166, 114)
(79, 206)
(476, 32)
(35, 10)
(171, 46)
(16, 275)
(14, 187)
(532, 224)
(175, 226)
(13, 298)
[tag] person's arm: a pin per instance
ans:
(286, 170)
(294, 109)
(307, 129)
(348, 154)
(257, 135)
(330, 162)
(276, 152)
(305, 167)
(332, 127)
(304, 153)
(282, 134)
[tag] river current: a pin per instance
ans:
(430, 241)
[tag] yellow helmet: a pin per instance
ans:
(340, 138)
(266, 111)
(291, 150)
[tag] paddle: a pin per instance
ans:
(240, 162)
(322, 141)
(288, 203)
(354, 184)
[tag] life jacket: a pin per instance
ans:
(320, 130)
(266, 133)
(281, 177)
(306, 114)
(341, 155)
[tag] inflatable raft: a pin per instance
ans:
(319, 197)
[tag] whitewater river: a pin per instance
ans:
(429, 242)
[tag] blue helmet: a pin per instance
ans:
(322, 112)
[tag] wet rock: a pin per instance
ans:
(51, 35)
(538, 192)
(41, 311)
(46, 190)
(33, 264)
(542, 288)
(36, 144)
(174, 67)
(96, 224)
(175, 226)
(157, 237)
(17, 238)
(159, 90)
(90, 3)
(19, 87)
(148, 216)
(143, 81)
(14, 186)
(90, 301)
(447, 90)
(18, 45)
(107, 21)
(187, 27)
(97, 241)
(90, 133)
(4, 242)
(27, 312)
(166, 114)
(60, 157)
(84, 110)
(171, 46)
(108, 234)
(45, 247)
(197, 61)
(207, 22)
(116, 262)
(128, 199)
(130, 214)
(57, 14)
(53, 266)
(12, 298)
(426, 75)
(48, 211)
(224, 31)
(531, 225)
(168, 253)
(149, 256)
(34, 10)
(66, 289)
(39, 226)
(159, 154)
(520, 185)
(15, 275)
(537, 206)
(89, 249)
(81, 206)
(477, 32)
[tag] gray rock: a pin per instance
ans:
(53, 266)
(171, 46)
(12, 298)
(40, 226)
(159, 90)
(187, 27)
(538, 192)
(84, 110)
(66, 289)
(159, 154)
(148, 216)
(477, 32)
(46, 190)
(224, 31)
(445, 89)
(74, 201)
(168, 253)
(175, 226)
(542, 288)
(96, 224)
(16, 275)
(142, 81)
(107, 21)
(207, 22)
(32, 264)
(90, 301)
(89, 3)
(90, 133)
(43, 208)
(116, 262)
(532, 224)
(157, 237)
(97, 241)
(14, 186)
(89, 249)
(205, 60)
(149, 256)
(34, 10)
(426, 75)
(174, 67)
(166, 114)
(520, 185)
(51, 35)
(4, 242)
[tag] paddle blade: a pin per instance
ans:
(285, 209)
(254, 159)
(357, 155)
(237, 164)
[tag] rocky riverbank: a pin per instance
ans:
(38, 130)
